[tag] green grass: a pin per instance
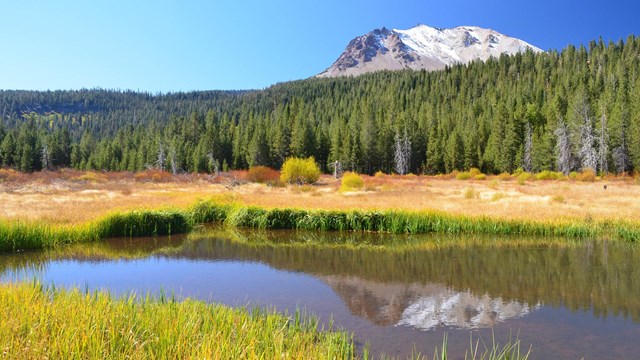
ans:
(38, 323)
(478, 350)
(15, 236)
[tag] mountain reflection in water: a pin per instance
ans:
(423, 306)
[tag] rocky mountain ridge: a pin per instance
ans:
(422, 47)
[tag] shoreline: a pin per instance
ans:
(33, 235)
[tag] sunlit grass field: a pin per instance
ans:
(72, 197)
(47, 209)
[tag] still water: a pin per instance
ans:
(568, 301)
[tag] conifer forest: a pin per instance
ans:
(565, 110)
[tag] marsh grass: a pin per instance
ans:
(40, 322)
(479, 350)
(44, 322)
(15, 236)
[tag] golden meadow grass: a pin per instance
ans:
(39, 323)
(41, 209)
(66, 200)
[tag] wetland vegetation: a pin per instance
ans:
(43, 322)
(378, 279)
(15, 236)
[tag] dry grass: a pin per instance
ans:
(63, 199)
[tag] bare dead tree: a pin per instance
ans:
(603, 146)
(563, 147)
(402, 153)
(587, 153)
(621, 153)
(528, 146)
(214, 164)
(337, 169)
(173, 161)
(46, 157)
(162, 158)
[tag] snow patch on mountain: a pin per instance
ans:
(422, 47)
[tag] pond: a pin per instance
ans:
(567, 300)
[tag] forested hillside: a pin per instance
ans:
(569, 110)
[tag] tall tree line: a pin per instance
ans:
(569, 110)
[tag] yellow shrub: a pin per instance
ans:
(351, 181)
(380, 174)
(300, 171)
(91, 177)
(549, 175)
(475, 171)
(587, 175)
(525, 176)
(472, 173)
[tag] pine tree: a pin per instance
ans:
(434, 163)
(454, 153)
(258, 150)
(8, 150)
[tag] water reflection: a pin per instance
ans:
(423, 306)
(589, 276)
(388, 294)
(461, 309)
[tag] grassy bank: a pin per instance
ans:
(15, 236)
(38, 323)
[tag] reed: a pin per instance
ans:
(20, 235)
(143, 223)
(511, 350)
(40, 322)
(15, 236)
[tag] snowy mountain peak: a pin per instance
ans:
(422, 47)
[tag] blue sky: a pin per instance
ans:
(162, 46)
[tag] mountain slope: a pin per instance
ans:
(422, 47)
